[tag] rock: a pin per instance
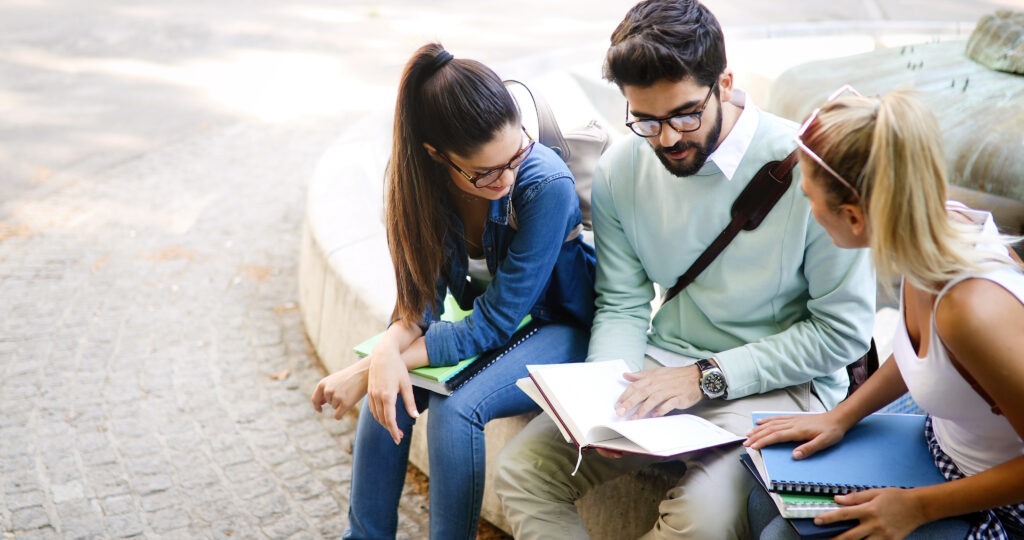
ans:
(998, 42)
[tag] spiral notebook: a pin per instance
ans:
(446, 379)
(882, 450)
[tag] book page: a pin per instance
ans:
(529, 388)
(582, 395)
(670, 435)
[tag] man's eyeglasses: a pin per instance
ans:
(491, 176)
(810, 153)
(683, 123)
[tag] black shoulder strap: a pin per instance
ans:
(749, 209)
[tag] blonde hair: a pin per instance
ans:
(890, 149)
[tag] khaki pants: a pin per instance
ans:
(709, 502)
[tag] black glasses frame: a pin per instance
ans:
(672, 120)
(481, 180)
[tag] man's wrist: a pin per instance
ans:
(712, 381)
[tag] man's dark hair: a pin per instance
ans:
(666, 40)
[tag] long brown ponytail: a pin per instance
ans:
(456, 106)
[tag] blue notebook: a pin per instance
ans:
(882, 450)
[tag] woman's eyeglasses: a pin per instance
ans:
(683, 123)
(810, 153)
(490, 176)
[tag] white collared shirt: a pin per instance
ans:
(728, 154)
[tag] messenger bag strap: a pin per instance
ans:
(749, 209)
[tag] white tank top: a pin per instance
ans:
(966, 428)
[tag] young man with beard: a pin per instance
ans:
(774, 319)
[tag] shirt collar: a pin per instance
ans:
(729, 154)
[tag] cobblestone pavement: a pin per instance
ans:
(154, 374)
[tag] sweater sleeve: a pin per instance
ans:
(624, 291)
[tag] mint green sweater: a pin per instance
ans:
(780, 306)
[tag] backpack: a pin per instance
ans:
(579, 148)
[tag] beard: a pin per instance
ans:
(701, 151)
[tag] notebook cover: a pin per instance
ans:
(882, 450)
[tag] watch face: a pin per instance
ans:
(713, 383)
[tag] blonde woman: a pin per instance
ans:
(874, 171)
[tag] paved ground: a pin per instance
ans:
(154, 374)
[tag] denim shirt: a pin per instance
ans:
(536, 270)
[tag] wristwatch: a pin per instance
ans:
(712, 380)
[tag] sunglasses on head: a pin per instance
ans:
(810, 153)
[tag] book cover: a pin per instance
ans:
(589, 417)
(882, 450)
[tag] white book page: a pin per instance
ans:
(583, 395)
(671, 435)
(529, 388)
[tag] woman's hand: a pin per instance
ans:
(819, 430)
(343, 389)
(389, 378)
(882, 513)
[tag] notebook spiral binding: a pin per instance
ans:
(533, 328)
(817, 489)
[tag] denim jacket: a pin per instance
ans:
(535, 269)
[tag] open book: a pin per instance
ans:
(581, 400)
(446, 379)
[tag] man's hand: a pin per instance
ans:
(659, 391)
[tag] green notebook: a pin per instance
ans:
(433, 378)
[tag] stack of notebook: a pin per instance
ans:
(882, 450)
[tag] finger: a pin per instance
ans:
(629, 398)
(857, 497)
(772, 420)
(842, 514)
(388, 408)
(667, 406)
(633, 377)
(610, 454)
(646, 406)
(339, 412)
(318, 397)
(409, 398)
(810, 447)
(372, 401)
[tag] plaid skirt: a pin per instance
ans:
(987, 525)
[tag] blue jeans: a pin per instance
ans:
(455, 442)
(767, 524)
